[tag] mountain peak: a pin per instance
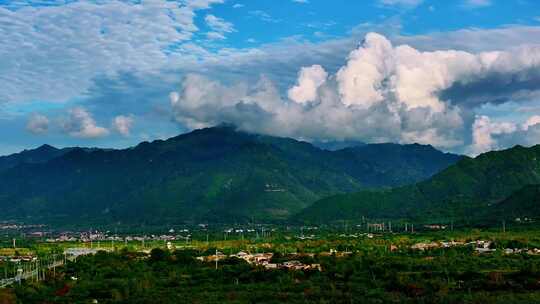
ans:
(45, 147)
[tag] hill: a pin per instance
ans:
(523, 204)
(214, 174)
(41, 154)
(467, 190)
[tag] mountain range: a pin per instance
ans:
(493, 186)
(212, 174)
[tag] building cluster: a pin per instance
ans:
(262, 259)
(97, 236)
(479, 246)
(533, 251)
(358, 235)
(435, 227)
(17, 259)
(15, 226)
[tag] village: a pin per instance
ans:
(261, 259)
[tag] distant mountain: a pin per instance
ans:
(215, 174)
(41, 154)
(468, 190)
(388, 165)
(337, 145)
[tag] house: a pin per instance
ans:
(425, 246)
(271, 266)
(293, 265)
(218, 256)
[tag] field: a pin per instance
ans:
(303, 266)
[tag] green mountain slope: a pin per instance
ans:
(214, 174)
(467, 190)
(41, 154)
(522, 204)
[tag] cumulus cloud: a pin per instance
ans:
(38, 124)
(122, 124)
(532, 121)
(81, 124)
(309, 81)
(495, 135)
(483, 131)
(382, 93)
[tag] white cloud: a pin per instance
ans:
(405, 3)
(81, 124)
(476, 3)
(122, 124)
(218, 25)
(264, 16)
(483, 131)
(38, 124)
(532, 121)
(301, 1)
(215, 36)
(382, 93)
(103, 43)
(238, 5)
(309, 81)
(494, 135)
(60, 49)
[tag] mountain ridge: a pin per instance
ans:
(216, 173)
(467, 190)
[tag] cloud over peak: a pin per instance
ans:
(309, 81)
(382, 93)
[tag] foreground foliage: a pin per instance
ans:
(373, 275)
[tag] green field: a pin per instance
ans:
(356, 268)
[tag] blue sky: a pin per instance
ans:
(461, 75)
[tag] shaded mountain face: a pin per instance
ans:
(468, 190)
(523, 204)
(215, 174)
(41, 154)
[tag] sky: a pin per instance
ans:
(463, 75)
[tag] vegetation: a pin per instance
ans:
(380, 270)
(471, 190)
(214, 174)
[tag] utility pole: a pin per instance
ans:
(504, 226)
(14, 245)
(216, 258)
